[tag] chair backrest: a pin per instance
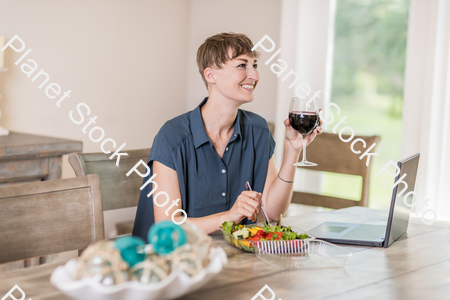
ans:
(118, 190)
(43, 218)
(271, 127)
(333, 155)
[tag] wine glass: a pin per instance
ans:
(304, 117)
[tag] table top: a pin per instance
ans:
(417, 266)
(16, 145)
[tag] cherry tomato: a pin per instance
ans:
(260, 233)
(255, 238)
(274, 236)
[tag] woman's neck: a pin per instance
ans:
(219, 116)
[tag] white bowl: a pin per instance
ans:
(175, 285)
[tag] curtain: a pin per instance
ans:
(306, 40)
(426, 110)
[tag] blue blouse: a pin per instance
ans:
(208, 184)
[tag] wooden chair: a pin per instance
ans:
(271, 127)
(333, 155)
(118, 190)
(43, 218)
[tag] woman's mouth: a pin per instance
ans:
(248, 87)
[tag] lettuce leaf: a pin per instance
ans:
(227, 226)
(302, 236)
(289, 235)
(268, 228)
(286, 229)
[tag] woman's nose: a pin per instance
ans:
(253, 74)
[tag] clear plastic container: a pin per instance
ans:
(308, 254)
(242, 244)
(249, 246)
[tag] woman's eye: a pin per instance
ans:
(242, 65)
(255, 66)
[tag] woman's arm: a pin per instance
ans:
(277, 190)
(246, 205)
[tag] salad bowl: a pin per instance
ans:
(249, 237)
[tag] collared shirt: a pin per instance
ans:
(208, 184)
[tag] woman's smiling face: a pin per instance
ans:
(237, 78)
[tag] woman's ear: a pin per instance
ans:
(210, 75)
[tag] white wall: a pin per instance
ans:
(255, 18)
(126, 60)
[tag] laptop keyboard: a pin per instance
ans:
(365, 232)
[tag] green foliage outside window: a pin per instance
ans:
(367, 82)
(369, 50)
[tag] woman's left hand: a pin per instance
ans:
(295, 139)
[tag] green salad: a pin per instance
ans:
(243, 236)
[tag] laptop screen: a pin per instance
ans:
(399, 211)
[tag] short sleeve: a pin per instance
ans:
(161, 151)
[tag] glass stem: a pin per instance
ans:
(304, 148)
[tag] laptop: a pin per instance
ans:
(372, 234)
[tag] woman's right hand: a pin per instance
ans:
(247, 205)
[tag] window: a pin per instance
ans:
(367, 84)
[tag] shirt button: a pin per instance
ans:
(223, 194)
(223, 171)
(226, 149)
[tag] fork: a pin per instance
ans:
(247, 185)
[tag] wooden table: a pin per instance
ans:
(28, 157)
(417, 266)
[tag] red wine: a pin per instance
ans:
(304, 122)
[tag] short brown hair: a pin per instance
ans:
(214, 51)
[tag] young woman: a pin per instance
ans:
(205, 156)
